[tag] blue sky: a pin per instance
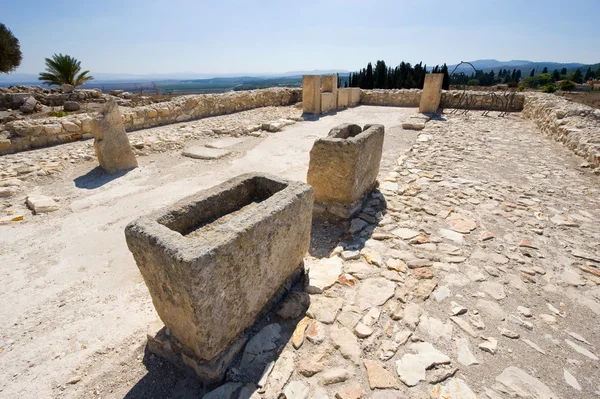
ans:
(151, 36)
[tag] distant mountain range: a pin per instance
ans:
(523, 65)
(118, 78)
(26, 78)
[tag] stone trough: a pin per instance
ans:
(343, 168)
(216, 261)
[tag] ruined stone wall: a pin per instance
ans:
(450, 99)
(13, 97)
(576, 125)
(34, 133)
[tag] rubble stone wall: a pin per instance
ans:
(34, 133)
(13, 97)
(450, 99)
(576, 125)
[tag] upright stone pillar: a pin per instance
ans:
(311, 94)
(110, 140)
(329, 93)
(432, 93)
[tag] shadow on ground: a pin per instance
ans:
(96, 178)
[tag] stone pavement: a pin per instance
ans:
(475, 272)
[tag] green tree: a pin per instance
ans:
(577, 77)
(532, 74)
(544, 79)
(567, 85)
(446, 81)
(64, 69)
(563, 71)
(10, 51)
(588, 75)
(555, 75)
(545, 70)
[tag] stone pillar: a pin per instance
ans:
(343, 97)
(432, 93)
(110, 140)
(329, 85)
(311, 94)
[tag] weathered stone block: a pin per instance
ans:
(432, 93)
(343, 97)
(111, 143)
(329, 84)
(354, 99)
(344, 167)
(311, 94)
(328, 102)
(213, 262)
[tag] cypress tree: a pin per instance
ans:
(532, 74)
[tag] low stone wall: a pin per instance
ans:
(576, 125)
(475, 100)
(34, 133)
(14, 96)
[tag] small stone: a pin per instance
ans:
(571, 380)
(356, 225)
(379, 377)
(486, 236)
(347, 279)
(362, 331)
(351, 391)
(411, 367)
(464, 354)
(533, 345)
(334, 376)
(495, 290)
(461, 224)
(298, 335)
(458, 310)
(412, 314)
(508, 333)
(315, 332)
(374, 292)
(418, 263)
(423, 273)
(581, 350)
(294, 305)
(346, 343)
(372, 257)
(454, 388)
(296, 390)
(198, 152)
(425, 289)
(490, 345)
(524, 311)
(41, 204)
(323, 274)
(464, 326)
(371, 317)
(405, 234)
(396, 265)
(350, 255)
(515, 320)
(395, 310)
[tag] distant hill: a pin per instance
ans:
(524, 65)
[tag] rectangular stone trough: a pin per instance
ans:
(343, 168)
(214, 262)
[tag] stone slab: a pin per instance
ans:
(41, 204)
(225, 142)
(432, 93)
(343, 97)
(198, 152)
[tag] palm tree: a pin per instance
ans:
(64, 69)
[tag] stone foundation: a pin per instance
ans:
(213, 262)
(344, 167)
(35, 133)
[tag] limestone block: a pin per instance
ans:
(52, 129)
(329, 84)
(311, 94)
(214, 261)
(41, 204)
(111, 143)
(344, 165)
(432, 93)
(343, 97)
(354, 96)
(328, 102)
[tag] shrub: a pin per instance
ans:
(567, 85)
(549, 88)
(473, 82)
